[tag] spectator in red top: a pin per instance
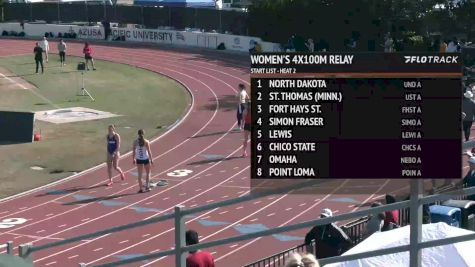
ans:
(197, 258)
(391, 217)
(88, 56)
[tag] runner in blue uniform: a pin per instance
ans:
(113, 153)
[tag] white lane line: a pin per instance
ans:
(303, 204)
(190, 110)
(285, 223)
(98, 249)
(203, 217)
(226, 196)
(205, 85)
(124, 241)
(182, 194)
(50, 214)
(62, 225)
(165, 198)
(240, 207)
(257, 202)
(158, 138)
(92, 192)
(87, 219)
(71, 248)
(50, 263)
(253, 220)
(222, 171)
(269, 215)
(145, 235)
(287, 209)
(22, 208)
(172, 229)
(235, 168)
(148, 203)
(223, 212)
(233, 246)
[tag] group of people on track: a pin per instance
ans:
(42, 48)
(141, 154)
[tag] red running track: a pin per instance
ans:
(205, 130)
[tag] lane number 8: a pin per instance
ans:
(9, 223)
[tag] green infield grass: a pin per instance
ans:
(141, 98)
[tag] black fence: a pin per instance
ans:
(150, 17)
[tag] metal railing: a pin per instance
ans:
(415, 204)
(280, 258)
(355, 229)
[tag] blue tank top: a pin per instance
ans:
(111, 144)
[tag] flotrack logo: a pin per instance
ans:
(431, 59)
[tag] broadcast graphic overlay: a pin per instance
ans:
(356, 116)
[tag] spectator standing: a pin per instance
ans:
(443, 47)
(88, 56)
(452, 47)
(388, 44)
(45, 46)
(38, 51)
(197, 258)
(468, 107)
(62, 52)
(310, 45)
(391, 217)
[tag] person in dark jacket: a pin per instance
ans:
(38, 51)
(330, 240)
(468, 107)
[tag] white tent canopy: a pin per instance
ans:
(454, 255)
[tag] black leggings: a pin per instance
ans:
(467, 127)
(239, 113)
(38, 63)
(62, 57)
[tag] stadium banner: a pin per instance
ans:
(183, 38)
(144, 35)
(88, 32)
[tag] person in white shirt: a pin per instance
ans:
(310, 45)
(452, 47)
(243, 99)
(62, 52)
(45, 45)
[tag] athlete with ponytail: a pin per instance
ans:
(142, 156)
(113, 153)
